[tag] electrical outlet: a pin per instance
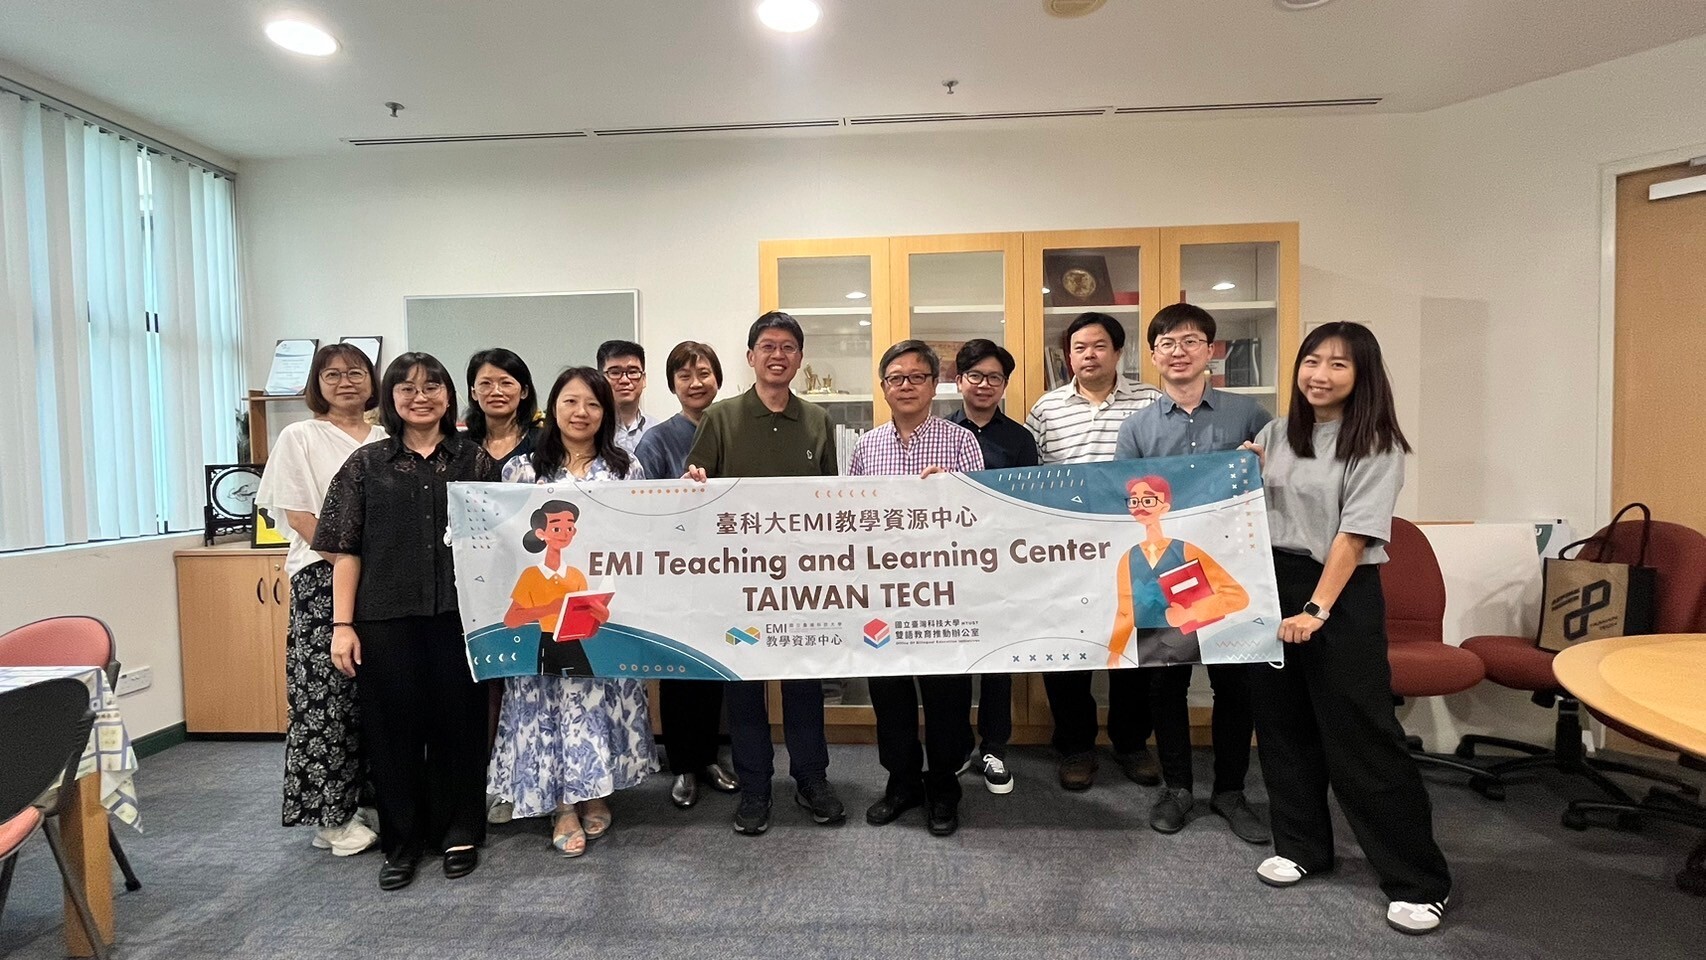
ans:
(134, 679)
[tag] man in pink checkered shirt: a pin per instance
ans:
(917, 443)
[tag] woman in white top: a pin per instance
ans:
(322, 766)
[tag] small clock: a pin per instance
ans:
(230, 506)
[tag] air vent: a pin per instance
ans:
(466, 138)
(956, 117)
(1261, 105)
(717, 128)
(1069, 9)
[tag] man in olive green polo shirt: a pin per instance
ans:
(769, 432)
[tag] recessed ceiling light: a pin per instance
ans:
(299, 36)
(1301, 4)
(1224, 285)
(789, 16)
(1045, 290)
(856, 295)
(864, 323)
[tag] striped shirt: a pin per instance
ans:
(1069, 430)
(936, 443)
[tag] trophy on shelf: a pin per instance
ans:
(818, 384)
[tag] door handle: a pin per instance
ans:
(275, 598)
(258, 597)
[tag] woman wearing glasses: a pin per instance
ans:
(395, 625)
(322, 756)
(500, 417)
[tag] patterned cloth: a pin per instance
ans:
(322, 757)
(1070, 430)
(936, 443)
(564, 740)
(109, 749)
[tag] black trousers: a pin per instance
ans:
(995, 713)
(1168, 708)
(1326, 720)
(1074, 709)
(690, 712)
(802, 729)
(423, 728)
(947, 733)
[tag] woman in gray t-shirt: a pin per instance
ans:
(1332, 470)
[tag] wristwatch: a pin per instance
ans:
(1315, 610)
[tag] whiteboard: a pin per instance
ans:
(550, 331)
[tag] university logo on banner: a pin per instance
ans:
(1123, 564)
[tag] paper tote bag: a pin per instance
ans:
(1590, 600)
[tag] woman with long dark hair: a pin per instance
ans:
(1332, 470)
(322, 740)
(568, 740)
(396, 627)
(502, 404)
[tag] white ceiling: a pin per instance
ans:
(203, 68)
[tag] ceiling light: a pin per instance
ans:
(1045, 290)
(864, 323)
(856, 295)
(1224, 285)
(298, 36)
(1301, 4)
(789, 16)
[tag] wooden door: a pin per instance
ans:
(232, 658)
(278, 593)
(1659, 424)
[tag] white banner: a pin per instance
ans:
(1124, 564)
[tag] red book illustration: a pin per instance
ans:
(1185, 585)
(575, 620)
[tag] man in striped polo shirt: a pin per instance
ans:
(1080, 423)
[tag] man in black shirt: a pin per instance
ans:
(984, 368)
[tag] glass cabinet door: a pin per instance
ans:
(1069, 273)
(1245, 276)
(952, 289)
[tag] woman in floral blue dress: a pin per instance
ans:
(566, 743)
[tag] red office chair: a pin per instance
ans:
(1423, 664)
(1679, 555)
(65, 642)
(43, 728)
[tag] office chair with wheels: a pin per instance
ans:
(43, 730)
(69, 642)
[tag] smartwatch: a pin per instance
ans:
(1315, 610)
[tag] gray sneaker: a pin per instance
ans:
(1415, 918)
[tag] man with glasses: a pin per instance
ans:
(915, 443)
(623, 363)
(1079, 422)
(985, 368)
(769, 432)
(1193, 418)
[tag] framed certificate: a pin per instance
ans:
(291, 359)
(369, 346)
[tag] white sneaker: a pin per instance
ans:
(345, 841)
(995, 775)
(369, 816)
(1279, 872)
(501, 811)
(1415, 918)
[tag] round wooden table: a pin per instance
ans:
(1655, 684)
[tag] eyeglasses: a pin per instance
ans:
(352, 377)
(485, 388)
(978, 378)
(1186, 344)
(916, 379)
(408, 391)
(624, 373)
(1148, 501)
(777, 349)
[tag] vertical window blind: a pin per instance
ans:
(120, 336)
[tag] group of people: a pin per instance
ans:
(381, 698)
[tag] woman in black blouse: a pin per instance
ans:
(502, 406)
(395, 623)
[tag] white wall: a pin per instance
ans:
(131, 585)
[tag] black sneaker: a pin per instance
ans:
(1171, 810)
(1245, 824)
(819, 797)
(1139, 767)
(996, 776)
(752, 817)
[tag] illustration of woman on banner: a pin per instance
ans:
(541, 589)
(1168, 589)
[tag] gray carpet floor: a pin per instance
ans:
(1036, 873)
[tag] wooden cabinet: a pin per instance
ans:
(233, 611)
